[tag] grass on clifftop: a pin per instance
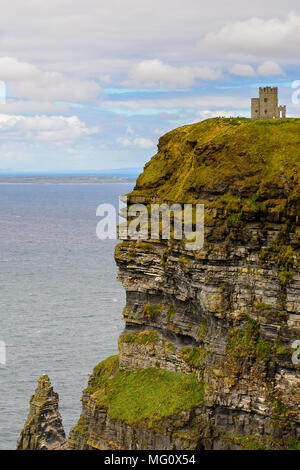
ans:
(237, 156)
(143, 394)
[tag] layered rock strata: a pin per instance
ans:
(43, 429)
(206, 359)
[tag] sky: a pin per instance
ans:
(92, 85)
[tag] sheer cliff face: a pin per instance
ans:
(205, 359)
(223, 317)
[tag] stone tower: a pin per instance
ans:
(266, 106)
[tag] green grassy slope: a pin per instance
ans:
(236, 157)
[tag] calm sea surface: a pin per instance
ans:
(60, 303)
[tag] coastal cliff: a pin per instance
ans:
(205, 359)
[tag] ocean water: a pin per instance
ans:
(60, 302)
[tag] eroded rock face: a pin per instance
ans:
(227, 313)
(43, 429)
(218, 316)
(205, 359)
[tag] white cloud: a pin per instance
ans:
(244, 70)
(28, 81)
(143, 143)
(135, 140)
(43, 128)
(105, 79)
(269, 68)
(124, 141)
(151, 73)
(14, 70)
(256, 36)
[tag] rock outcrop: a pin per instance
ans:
(205, 359)
(43, 429)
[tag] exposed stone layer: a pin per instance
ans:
(228, 312)
(213, 327)
(251, 385)
(43, 429)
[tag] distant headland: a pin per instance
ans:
(78, 179)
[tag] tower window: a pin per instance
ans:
(266, 111)
(266, 100)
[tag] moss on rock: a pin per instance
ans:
(143, 395)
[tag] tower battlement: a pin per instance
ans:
(268, 89)
(266, 106)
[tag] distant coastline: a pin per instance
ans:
(81, 179)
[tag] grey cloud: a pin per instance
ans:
(73, 33)
(195, 102)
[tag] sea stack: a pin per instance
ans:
(43, 429)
